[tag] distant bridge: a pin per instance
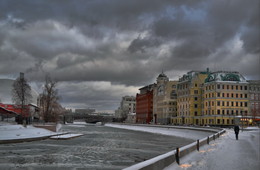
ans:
(88, 118)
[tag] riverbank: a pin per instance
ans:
(221, 153)
(13, 133)
(179, 131)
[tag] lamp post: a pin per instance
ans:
(242, 120)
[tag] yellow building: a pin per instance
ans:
(189, 102)
(225, 99)
(164, 100)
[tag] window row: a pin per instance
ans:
(226, 112)
(227, 87)
(227, 103)
(226, 95)
(254, 88)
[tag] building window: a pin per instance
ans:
(236, 95)
(232, 103)
(236, 87)
(223, 112)
(241, 87)
(218, 94)
(218, 86)
(196, 113)
(195, 98)
(241, 95)
(227, 86)
(196, 92)
(245, 104)
(223, 86)
(245, 87)
(245, 95)
(218, 103)
(227, 103)
(223, 94)
(227, 94)
(196, 105)
(232, 95)
(223, 103)
(232, 87)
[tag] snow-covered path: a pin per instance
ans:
(225, 153)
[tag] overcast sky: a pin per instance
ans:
(101, 50)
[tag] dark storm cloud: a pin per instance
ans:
(140, 44)
(126, 42)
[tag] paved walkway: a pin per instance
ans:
(225, 153)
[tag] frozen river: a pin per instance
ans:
(101, 147)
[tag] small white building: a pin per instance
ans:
(127, 105)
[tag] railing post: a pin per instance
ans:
(177, 156)
(198, 145)
(208, 140)
(214, 137)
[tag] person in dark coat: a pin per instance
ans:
(236, 129)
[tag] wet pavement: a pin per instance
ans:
(100, 148)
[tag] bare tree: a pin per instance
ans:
(50, 107)
(21, 93)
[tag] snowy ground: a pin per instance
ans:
(225, 153)
(17, 132)
(185, 133)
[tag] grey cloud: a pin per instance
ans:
(140, 44)
(98, 40)
(94, 94)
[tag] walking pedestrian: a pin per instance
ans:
(236, 129)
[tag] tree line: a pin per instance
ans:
(48, 100)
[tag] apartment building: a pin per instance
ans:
(225, 98)
(164, 99)
(190, 97)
